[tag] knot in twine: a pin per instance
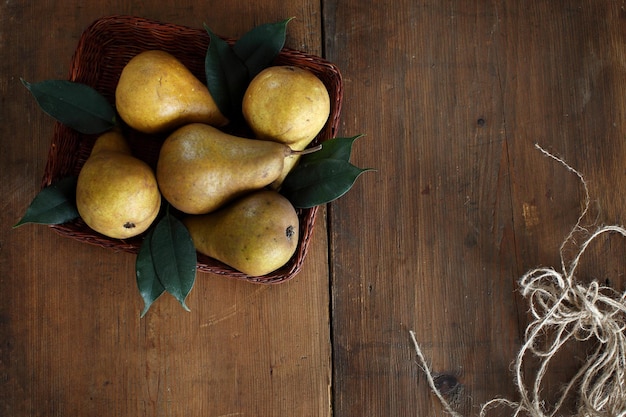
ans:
(563, 309)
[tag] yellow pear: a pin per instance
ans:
(201, 168)
(113, 140)
(286, 104)
(157, 93)
(116, 194)
(255, 234)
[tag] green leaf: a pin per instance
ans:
(226, 76)
(54, 204)
(336, 148)
(320, 181)
(258, 47)
(148, 282)
(76, 105)
(174, 257)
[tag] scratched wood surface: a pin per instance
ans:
(71, 340)
(452, 96)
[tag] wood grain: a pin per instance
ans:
(71, 340)
(453, 96)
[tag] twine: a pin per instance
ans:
(564, 310)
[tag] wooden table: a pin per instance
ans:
(452, 97)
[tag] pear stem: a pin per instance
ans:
(307, 151)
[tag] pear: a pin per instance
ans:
(200, 168)
(157, 93)
(113, 141)
(255, 234)
(286, 104)
(116, 194)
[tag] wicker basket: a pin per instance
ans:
(103, 50)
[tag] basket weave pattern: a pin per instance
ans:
(102, 52)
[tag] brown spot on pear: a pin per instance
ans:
(116, 194)
(286, 104)
(201, 168)
(156, 92)
(256, 234)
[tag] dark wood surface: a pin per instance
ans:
(452, 96)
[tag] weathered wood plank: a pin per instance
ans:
(452, 96)
(71, 340)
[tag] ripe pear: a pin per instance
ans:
(201, 168)
(116, 194)
(286, 104)
(113, 141)
(255, 234)
(157, 93)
